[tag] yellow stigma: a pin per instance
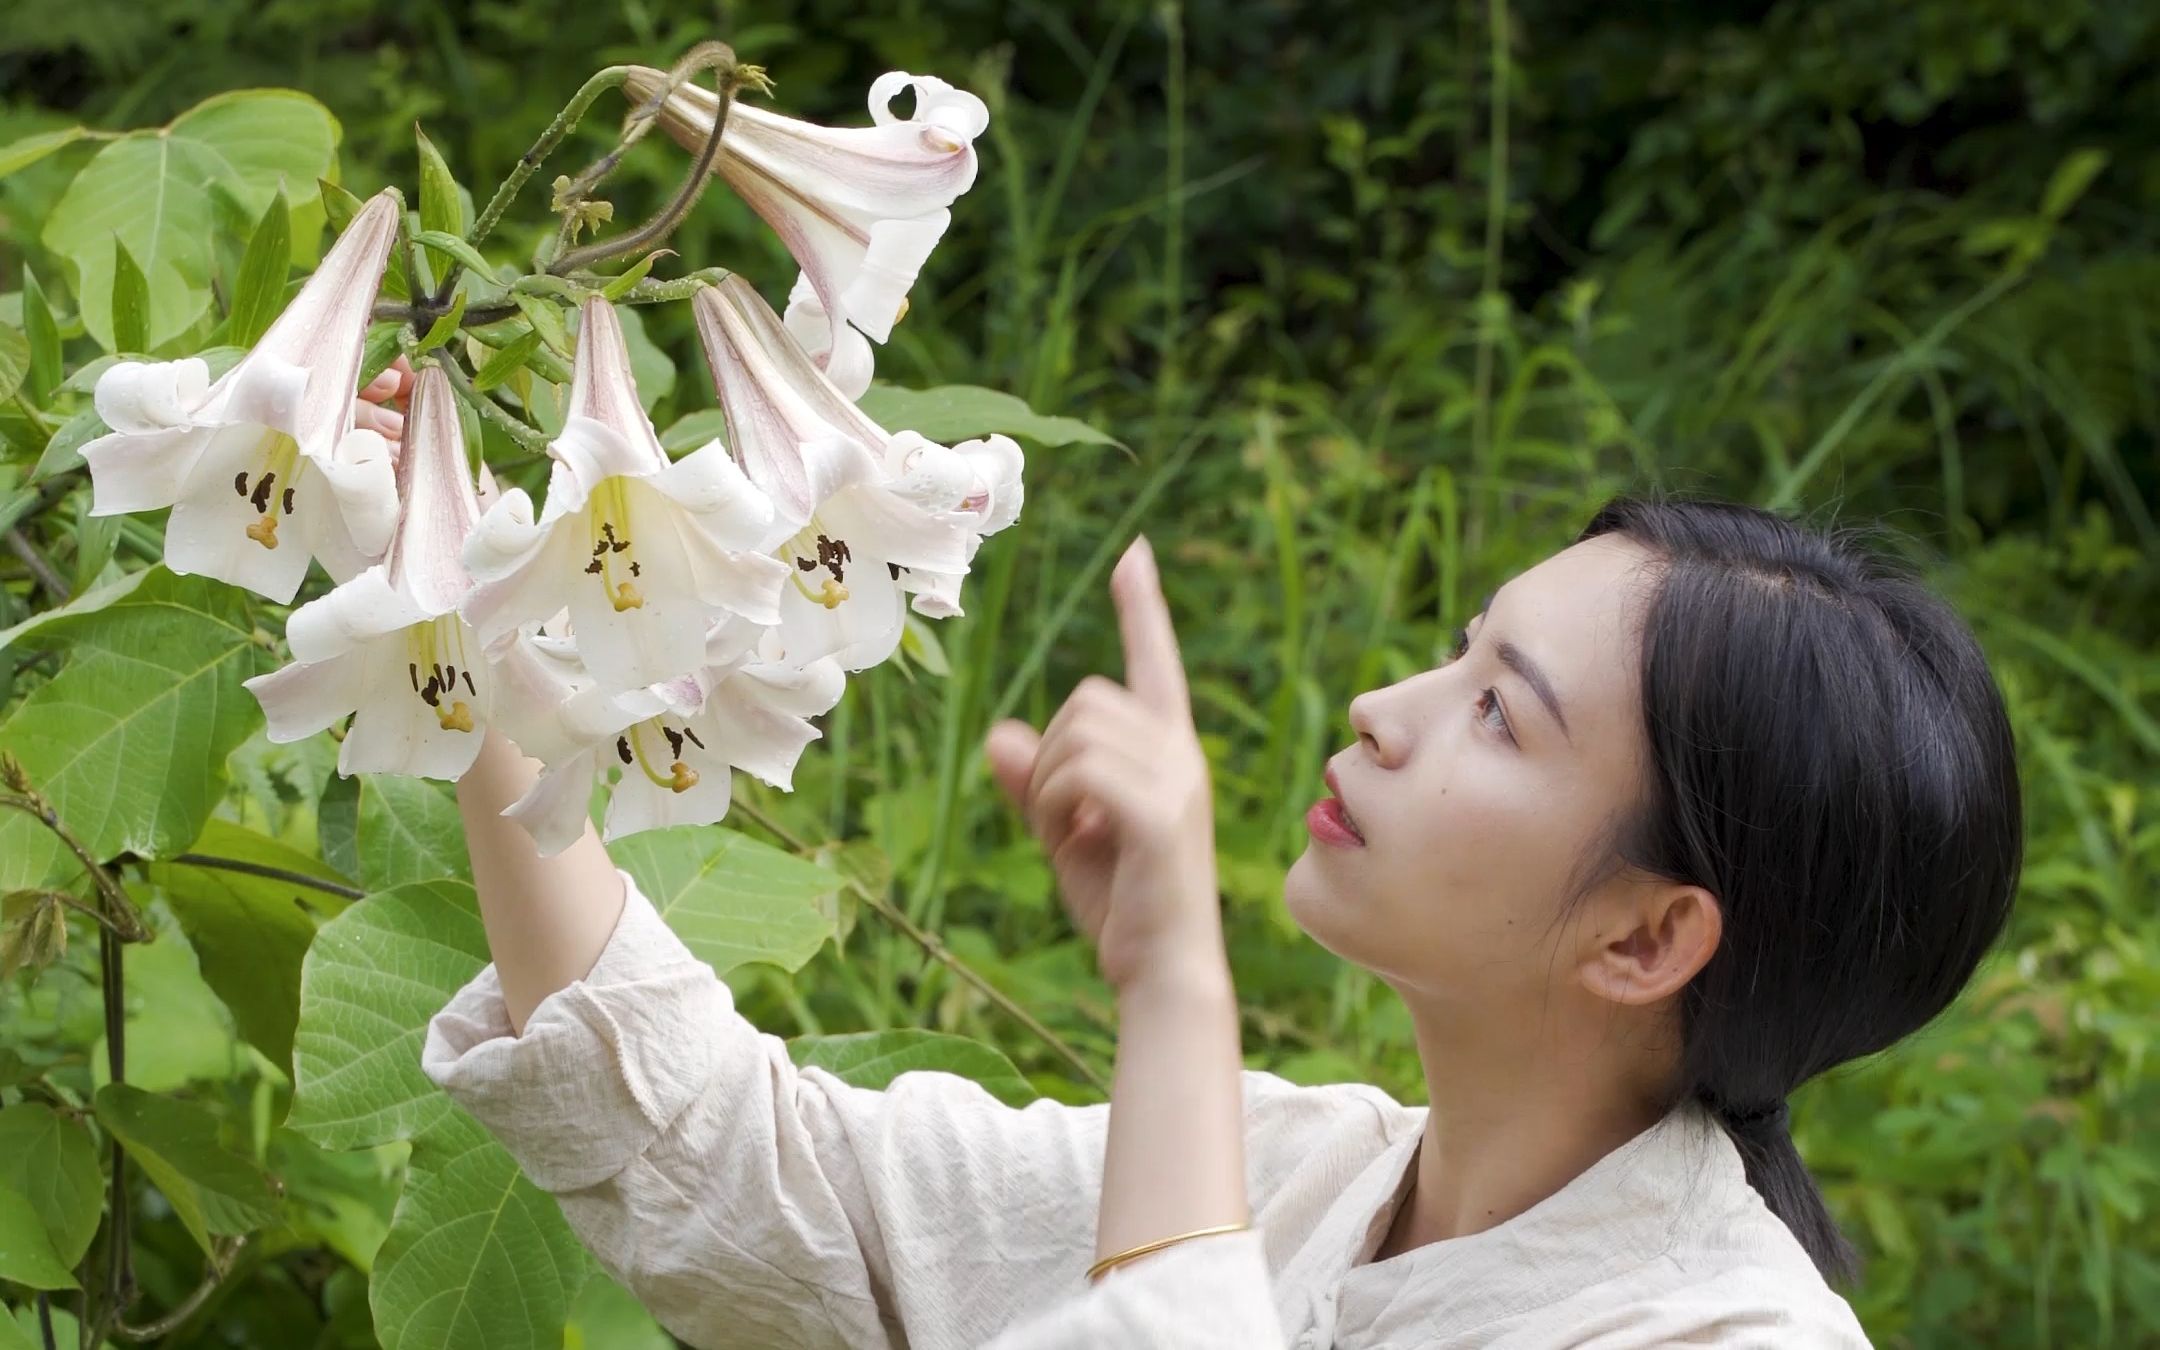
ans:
(685, 777)
(626, 596)
(831, 594)
(264, 531)
(456, 717)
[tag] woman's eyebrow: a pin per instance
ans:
(1518, 660)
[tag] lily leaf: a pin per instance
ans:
(213, 1190)
(52, 1163)
(960, 412)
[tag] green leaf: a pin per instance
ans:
(371, 981)
(729, 897)
(26, 1253)
(14, 361)
(506, 362)
(385, 830)
(44, 338)
(16, 1336)
(477, 1256)
(2070, 180)
(440, 209)
(250, 932)
(338, 203)
(18, 155)
(259, 287)
(129, 740)
(379, 350)
(960, 412)
(95, 539)
(872, 1059)
(446, 324)
(212, 1189)
(130, 303)
(619, 285)
(693, 430)
(52, 1162)
(63, 453)
(607, 1316)
(546, 318)
(442, 241)
(153, 189)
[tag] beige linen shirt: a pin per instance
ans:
(751, 1203)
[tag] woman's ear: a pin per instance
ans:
(1649, 939)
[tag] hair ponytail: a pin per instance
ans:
(1829, 757)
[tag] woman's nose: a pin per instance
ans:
(1367, 721)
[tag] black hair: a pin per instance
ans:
(1829, 756)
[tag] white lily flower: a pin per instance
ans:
(840, 350)
(270, 446)
(861, 208)
(643, 553)
(676, 742)
(864, 503)
(992, 503)
(388, 645)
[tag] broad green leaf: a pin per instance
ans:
(63, 453)
(89, 602)
(872, 1059)
(130, 302)
(212, 1189)
(730, 898)
(693, 430)
(371, 981)
(44, 338)
(129, 740)
(960, 412)
(384, 830)
(152, 189)
(17, 155)
(259, 287)
(249, 931)
(607, 1316)
(26, 1253)
(52, 1162)
(442, 241)
(14, 361)
(477, 1256)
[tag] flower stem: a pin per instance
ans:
(565, 122)
(336, 888)
(527, 436)
(705, 56)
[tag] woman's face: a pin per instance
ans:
(1481, 790)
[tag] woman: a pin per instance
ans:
(1704, 805)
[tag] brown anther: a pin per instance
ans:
(692, 737)
(412, 669)
(286, 501)
(260, 497)
(593, 568)
(239, 483)
(622, 747)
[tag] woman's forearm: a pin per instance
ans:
(1174, 1160)
(547, 919)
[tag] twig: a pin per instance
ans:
(126, 923)
(40, 567)
(565, 122)
(221, 1264)
(119, 1240)
(664, 222)
(255, 869)
(937, 951)
(44, 1317)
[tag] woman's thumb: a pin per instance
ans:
(1010, 748)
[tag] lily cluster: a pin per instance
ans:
(672, 620)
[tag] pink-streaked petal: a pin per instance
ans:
(602, 387)
(324, 330)
(351, 615)
(841, 351)
(436, 498)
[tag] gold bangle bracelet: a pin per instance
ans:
(1158, 1244)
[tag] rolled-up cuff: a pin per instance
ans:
(605, 1063)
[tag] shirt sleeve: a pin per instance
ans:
(1208, 1293)
(748, 1202)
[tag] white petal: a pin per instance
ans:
(143, 396)
(354, 613)
(998, 464)
(937, 594)
(587, 453)
(875, 296)
(557, 808)
(859, 632)
(301, 699)
(708, 483)
(529, 689)
(630, 648)
(435, 497)
(264, 390)
(927, 474)
(877, 524)
(844, 355)
(143, 470)
(396, 731)
(640, 804)
(351, 528)
(207, 531)
(955, 112)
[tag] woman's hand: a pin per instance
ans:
(1116, 789)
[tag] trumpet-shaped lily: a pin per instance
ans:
(859, 207)
(263, 469)
(644, 554)
(676, 742)
(992, 502)
(862, 503)
(388, 645)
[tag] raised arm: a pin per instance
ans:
(547, 919)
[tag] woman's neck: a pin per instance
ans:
(1514, 1119)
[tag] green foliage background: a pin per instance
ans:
(1383, 299)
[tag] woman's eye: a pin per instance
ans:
(1492, 714)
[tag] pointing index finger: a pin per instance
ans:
(1153, 669)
